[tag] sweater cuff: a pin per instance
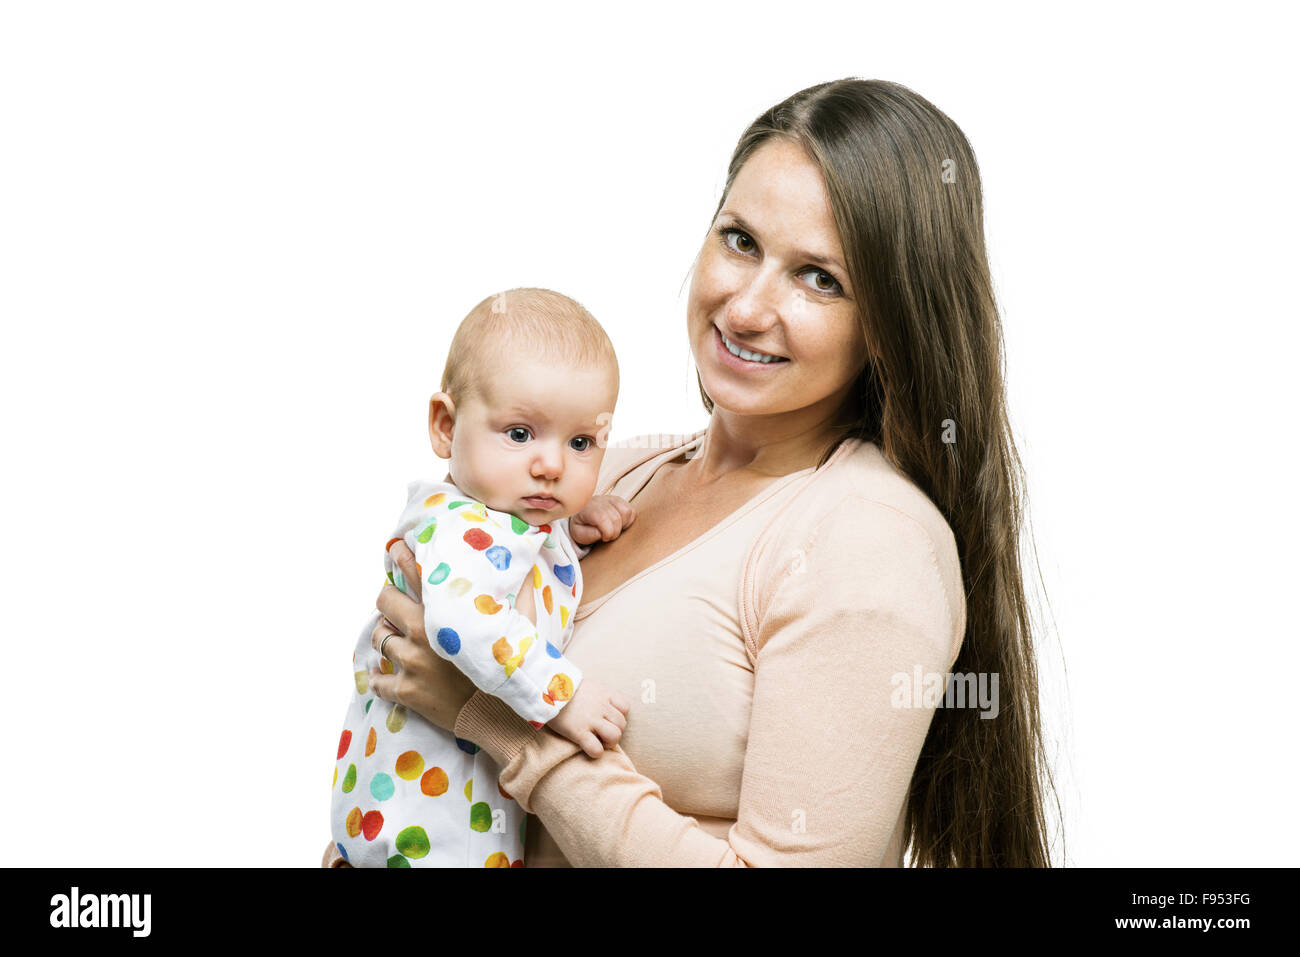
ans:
(523, 753)
(493, 726)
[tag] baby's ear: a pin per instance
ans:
(442, 422)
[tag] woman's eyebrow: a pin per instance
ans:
(801, 254)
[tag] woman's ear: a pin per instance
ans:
(442, 421)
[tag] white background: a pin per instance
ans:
(235, 238)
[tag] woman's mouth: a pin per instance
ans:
(739, 358)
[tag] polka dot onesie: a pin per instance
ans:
(407, 793)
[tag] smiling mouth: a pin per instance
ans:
(749, 355)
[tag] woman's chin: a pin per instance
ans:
(747, 402)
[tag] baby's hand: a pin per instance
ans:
(593, 715)
(602, 519)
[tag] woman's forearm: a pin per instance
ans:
(600, 812)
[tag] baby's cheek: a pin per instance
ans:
(591, 479)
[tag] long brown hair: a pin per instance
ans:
(905, 192)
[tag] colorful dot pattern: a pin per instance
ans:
(481, 559)
(405, 792)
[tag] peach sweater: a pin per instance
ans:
(758, 660)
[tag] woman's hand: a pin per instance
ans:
(424, 682)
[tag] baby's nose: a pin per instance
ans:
(548, 463)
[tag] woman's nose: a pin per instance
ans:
(757, 304)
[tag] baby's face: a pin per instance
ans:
(528, 445)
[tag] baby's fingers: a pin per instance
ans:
(625, 510)
(608, 733)
(618, 701)
(616, 717)
(582, 531)
(606, 518)
(591, 744)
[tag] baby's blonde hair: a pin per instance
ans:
(540, 322)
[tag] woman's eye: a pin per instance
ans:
(517, 429)
(743, 242)
(584, 443)
(823, 281)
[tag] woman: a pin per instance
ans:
(849, 518)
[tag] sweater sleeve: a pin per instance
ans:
(831, 748)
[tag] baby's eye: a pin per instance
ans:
(517, 428)
(584, 443)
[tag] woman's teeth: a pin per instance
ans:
(745, 354)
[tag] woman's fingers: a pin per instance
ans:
(423, 682)
(398, 649)
(404, 558)
(406, 616)
(385, 630)
(385, 686)
(381, 631)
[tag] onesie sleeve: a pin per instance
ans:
(579, 551)
(830, 754)
(472, 565)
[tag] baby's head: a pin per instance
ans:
(526, 402)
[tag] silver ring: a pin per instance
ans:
(381, 647)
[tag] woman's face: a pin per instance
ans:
(771, 280)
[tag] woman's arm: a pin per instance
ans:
(830, 755)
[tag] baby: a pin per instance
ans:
(527, 392)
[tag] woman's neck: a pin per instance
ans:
(771, 445)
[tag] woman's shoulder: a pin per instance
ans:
(860, 482)
(623, 456)
(858, 511)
